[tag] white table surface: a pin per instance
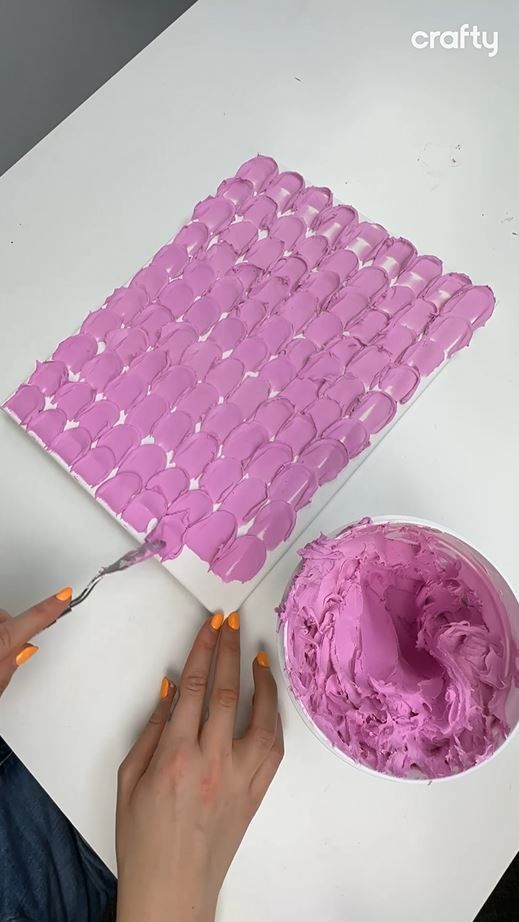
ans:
(341, 95)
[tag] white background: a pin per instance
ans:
(382, 124)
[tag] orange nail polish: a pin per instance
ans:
(262, 659)
(217, 620)
(234, 620)
(64, 595)
(165, 686)
(26, 653)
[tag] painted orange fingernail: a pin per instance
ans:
(234, 620)
(26, 653)
(165, 686)
(217, 620)
(262, 659)
(64, 595)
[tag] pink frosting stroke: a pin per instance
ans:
(400, 649)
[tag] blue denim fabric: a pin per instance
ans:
(47, 871)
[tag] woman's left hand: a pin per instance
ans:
(17, 631)
(189, 789)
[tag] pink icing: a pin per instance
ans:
(245, 499)
(27, 401)
(47, 425)
(103, 368)
(172, 257)
(196, 453)
(125, 303)
(291, 270)
(172, 483)
(146, 413)
(71, 444)
(241, 560)
(127, 343)
(151, 279)
(171, 529)
(273, 523)
(49, 376)
(246, 364)
(238, 190)
(324, 412)
(326, 458)
(311, 202)
(146, 460)
(76, 350)
(118, 491)
(102, 415)
(267, 461)
(100, 323)
(227, 334)
(271, 292)
(95, 466)
(120, 440)
(297, 433)
(222, 420)
(192, 506)
(294, 484)
(152, 320)
(126, 390)
(149, 365)
(200, 275)
(243, 441)
(173, 383)
(220, 476)
(273, 413)
(211, 535)
(144, 508)
(399, 648)
(171, 429)
(177, 296)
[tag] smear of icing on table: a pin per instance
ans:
(253, 358)
(400, 649)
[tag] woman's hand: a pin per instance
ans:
(188, 789)
(16, 632)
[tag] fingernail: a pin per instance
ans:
(217, 620)
(262, 659)
(26, 653)
(234, 620)
(165, 687)
(64, 595)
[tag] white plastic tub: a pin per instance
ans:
(511, 604)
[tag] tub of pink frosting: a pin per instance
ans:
(399, 646)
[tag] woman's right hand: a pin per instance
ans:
(16, 632)
(188, 790)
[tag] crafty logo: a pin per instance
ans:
(464, 36)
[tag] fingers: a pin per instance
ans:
(218, 731)
(140, 755)
(193, 684)
(6, 673)
(266, 772)
(15, 658)
(257, 743)
(15, 632)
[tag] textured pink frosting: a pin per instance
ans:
(400, 649)
(254, 357)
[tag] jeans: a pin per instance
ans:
(47, 871)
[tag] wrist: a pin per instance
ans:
(182, 902)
